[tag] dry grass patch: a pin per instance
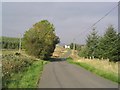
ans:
(101, 64)
(103, 68)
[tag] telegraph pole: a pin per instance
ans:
(73, 46)
(19, 43)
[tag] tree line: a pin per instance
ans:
(9, 43)
(75, 46)
(102, 47)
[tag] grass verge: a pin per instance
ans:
(29, 78)
(103, 73)
(20, 71)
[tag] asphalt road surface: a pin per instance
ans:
(60, 74)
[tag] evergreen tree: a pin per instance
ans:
(109, 44)
(92, 44)
(71, 46)
(118, 48)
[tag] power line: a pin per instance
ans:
(105, 15)
(102, 17)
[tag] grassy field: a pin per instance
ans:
(104, 68)
(20, 71)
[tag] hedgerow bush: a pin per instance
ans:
(12, 64)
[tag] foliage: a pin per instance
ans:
(105, 47)
(90, 50)
(83, 52)
(40, 40)
(118, 48)
(9, 42)
(20, 71)
(91, 45)
(71, 46)
(12, 64)
(108, 45)
(77, 46)
(29, 78)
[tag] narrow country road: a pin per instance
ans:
(60, 74)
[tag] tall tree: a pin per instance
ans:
(92, 43)
(118, 48)
(109, 44)
(71, 46)
(40, 40)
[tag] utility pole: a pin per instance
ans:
(19, 43)
(73, 46)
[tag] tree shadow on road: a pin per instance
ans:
(56, 59)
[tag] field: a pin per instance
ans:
(59, 52)
(104, 68)
(20, 70)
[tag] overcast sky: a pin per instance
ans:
(71, 20)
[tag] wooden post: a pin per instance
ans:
(19, 44)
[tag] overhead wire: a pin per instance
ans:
(101, 18)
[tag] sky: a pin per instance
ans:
(71, 19)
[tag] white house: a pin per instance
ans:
(67, 46)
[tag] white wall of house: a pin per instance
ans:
(67, 46)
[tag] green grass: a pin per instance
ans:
(28, 78)
(20, 71)
(108, 75)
